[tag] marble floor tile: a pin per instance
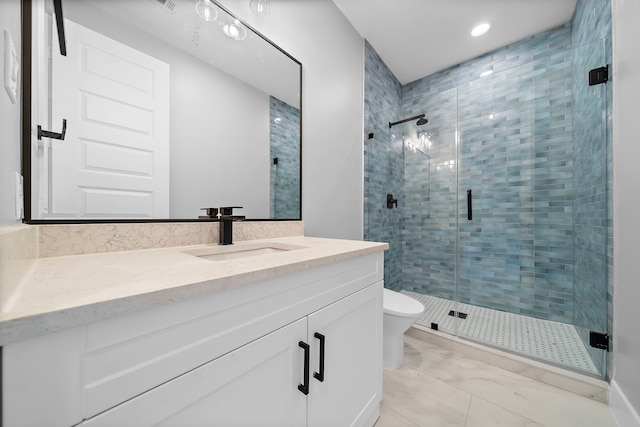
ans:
(438, 387)
(423, 399)
(541, 402)
(484, 414)
(388, 418)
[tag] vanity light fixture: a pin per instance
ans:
(235, 30)
(259, 7)
(206, 10)
(481, 29)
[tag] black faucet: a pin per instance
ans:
(210, 213)
(227, 218)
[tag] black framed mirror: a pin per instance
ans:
(150, 110)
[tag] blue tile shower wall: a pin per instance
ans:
(591, 30)
(515, 150)
(515, 155)
(382, 164)
(285, 146)
(429, 233)
(542, 207)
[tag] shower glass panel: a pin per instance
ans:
(532, 258)
(430, 211)
(516, 252)
(592, 232)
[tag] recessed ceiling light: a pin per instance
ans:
(481, 29)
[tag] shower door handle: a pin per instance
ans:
(469, 207)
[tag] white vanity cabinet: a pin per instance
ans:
(259, 383)
(230, 358)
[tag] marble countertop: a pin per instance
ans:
(67, 291)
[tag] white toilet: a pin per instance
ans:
(399, 313)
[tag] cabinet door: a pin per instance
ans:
(255, 385)
(351, 391)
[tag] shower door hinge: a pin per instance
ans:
(599, 340)
(599, 75)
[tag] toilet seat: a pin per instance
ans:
(400, 305)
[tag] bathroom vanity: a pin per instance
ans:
(280, 333)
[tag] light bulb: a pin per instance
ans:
(481, 29)
(259, 7)
(235, 30)
(206, 10)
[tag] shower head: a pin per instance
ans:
(421, 121)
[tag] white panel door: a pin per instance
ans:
(114, 161)
(255, 385)
(351, 391)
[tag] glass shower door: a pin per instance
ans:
(506, 230)
(532, 197)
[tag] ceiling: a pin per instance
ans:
(416, 38)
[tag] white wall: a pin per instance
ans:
(331, 51)
(9, 117)
(626, 203)
(214, 166)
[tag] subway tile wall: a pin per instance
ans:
(430, 197)
(382, 164)
(514, 153)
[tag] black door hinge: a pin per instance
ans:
(599, 75)
(599, 340)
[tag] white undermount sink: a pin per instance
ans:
(223, 253)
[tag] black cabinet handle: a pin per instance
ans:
(469, 208)
(304, 387)
(320, 375)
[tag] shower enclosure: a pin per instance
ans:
(502, 222)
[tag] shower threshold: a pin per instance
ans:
(554, 342)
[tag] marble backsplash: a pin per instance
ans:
(76, 239)
(18, 252)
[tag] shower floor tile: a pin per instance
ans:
(546, 340)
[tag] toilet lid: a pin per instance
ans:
(400, 305)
